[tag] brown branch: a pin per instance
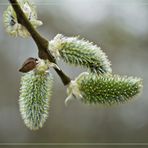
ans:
(40, 41)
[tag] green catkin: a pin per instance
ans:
(35, 93)
(105, 89)
(80, 52)
(13, 27)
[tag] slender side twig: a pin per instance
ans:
(40, 41)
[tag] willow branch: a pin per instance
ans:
(40, 41)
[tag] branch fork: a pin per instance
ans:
(40, 41)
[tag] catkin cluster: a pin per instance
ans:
(99, 85)
(96, 86)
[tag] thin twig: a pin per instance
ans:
(40, 41)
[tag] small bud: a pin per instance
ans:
(80, 52)
(11, 23)
(104, 89)
(28, 65)
(35, 93)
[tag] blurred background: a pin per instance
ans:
(121, 29)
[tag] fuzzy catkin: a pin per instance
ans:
(106, 89)
(13, 27)
(80, 52)
(35, 93)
